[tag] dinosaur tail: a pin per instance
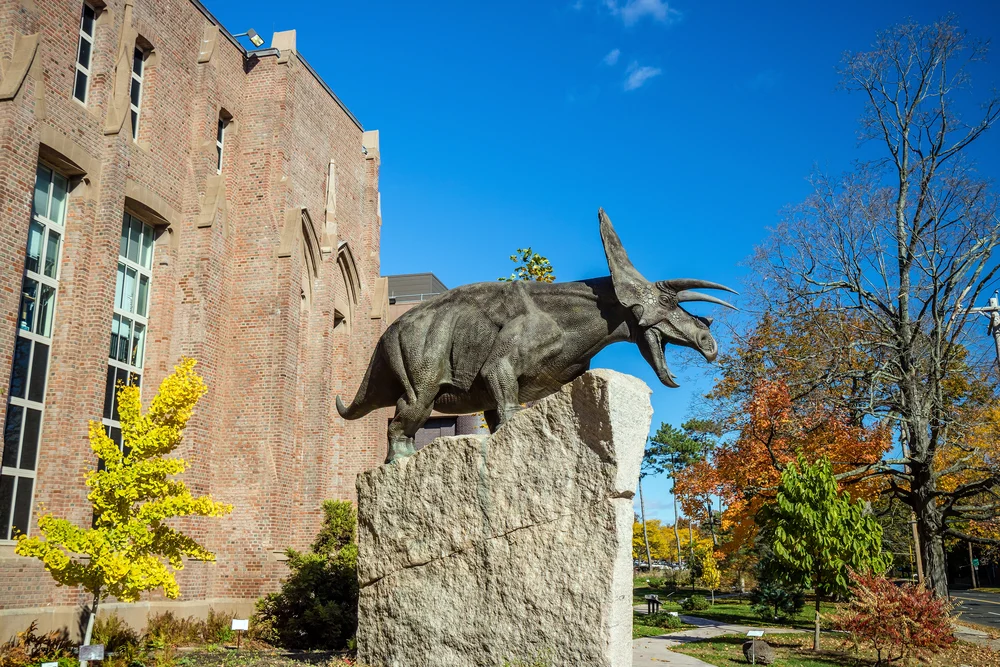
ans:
(365, 400)
(347, 412)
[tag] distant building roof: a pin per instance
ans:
(410, 287)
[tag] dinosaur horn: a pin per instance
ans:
(630, 287)
(679, 284)
(688, 295)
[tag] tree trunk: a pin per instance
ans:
(691, 545)
(91, 617)
(645, 537)
(711, 523)
(816, 633)
(972, 567)
(677, 532)
(935, 566)
(930, 526)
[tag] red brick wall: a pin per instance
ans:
(266, 437)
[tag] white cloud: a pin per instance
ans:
(637, 76)
(634, 11)
(612, 56)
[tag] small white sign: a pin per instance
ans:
(93, 652)
(50, 664)
(672, 613)
(755, 633)
(241, 624)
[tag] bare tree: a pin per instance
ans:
(897, 252)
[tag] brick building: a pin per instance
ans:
(165, 193)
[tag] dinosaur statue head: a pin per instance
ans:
(656, 307)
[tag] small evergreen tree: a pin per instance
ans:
(672, 450)
(818, 535)
(134, 494)
(317, 606)
(772, 603)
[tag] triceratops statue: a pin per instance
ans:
(492, 346)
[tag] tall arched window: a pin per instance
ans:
(29, 373)
(346, 302)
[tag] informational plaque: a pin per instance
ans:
(92, 652)
(241, 624)
(755, 633)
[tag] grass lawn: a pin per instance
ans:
(657, 624)
(796, 651)
(646, 631)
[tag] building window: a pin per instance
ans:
(220, 142)
(135, 94)
(29, 374)
(130, 319)
(84, 54)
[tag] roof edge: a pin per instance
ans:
(274, 52)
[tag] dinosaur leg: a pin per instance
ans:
(502, 383)
(409, 417)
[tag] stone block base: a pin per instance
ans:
(479, 550)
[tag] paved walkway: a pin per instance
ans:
(975, 636)
(655, 651)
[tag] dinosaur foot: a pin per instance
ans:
(399, 449)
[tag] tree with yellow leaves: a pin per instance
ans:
(655, 537)
(134, 493)
(711, 578)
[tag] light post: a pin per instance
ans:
(992, 313)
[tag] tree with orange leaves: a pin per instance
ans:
(772, 431)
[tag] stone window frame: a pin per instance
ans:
(299, 229)
(82, 69)
(131, 369)
(19, 472)
(310, 260)
(344, 311)
(140, 56)
(225, 118)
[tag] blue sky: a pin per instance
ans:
(507, 125)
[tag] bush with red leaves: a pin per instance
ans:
(897, 621)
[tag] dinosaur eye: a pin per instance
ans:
(667, 301)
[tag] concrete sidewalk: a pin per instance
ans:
(975, 636)
(655, 651)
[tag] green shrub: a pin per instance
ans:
(165, 629)
(661, 619)
(695, 603)
(776, 604)
(217, 628)
(317, 607)
(114, 633)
